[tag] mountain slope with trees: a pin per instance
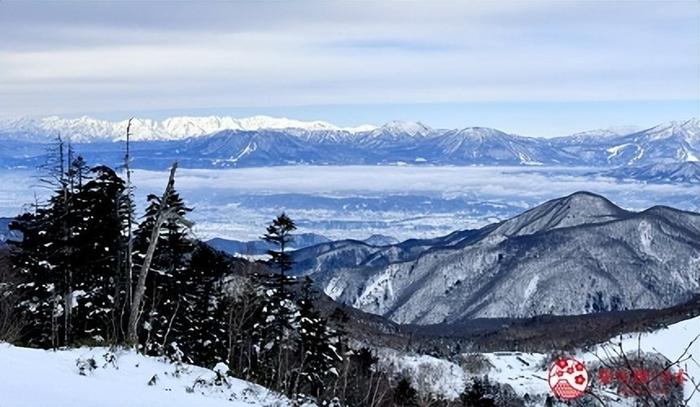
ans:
(521, 267)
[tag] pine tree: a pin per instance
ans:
(38, 280)
(163, 213)
(318, 352)
(276, 342)
(42, 258)
(96, 237)
(404, 394)
(69, 256)
(203, 322)
(170, 287)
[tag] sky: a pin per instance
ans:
(537, 68)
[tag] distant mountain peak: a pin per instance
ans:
(406, 127)
(688, 129)
(585, 201)
(480, 132)
(86, 129)
(582, 243)
(581, 207)
(607, 132)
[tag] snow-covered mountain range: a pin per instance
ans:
(521, 267)
(687, 172)
(86, 129)
(225, 142)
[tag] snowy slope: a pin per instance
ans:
(526, 372)
(519, 267)
(670, 342)
(33, 377)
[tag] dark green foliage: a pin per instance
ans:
(404, 394)
(178, 303)
(38, 280)
(275, 333)
(477, 394)
(168, 284)
(482, 392)
(96, 244)
(316, 345)
(69, 257)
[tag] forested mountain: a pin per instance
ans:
(521, 267)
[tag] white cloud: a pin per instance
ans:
(87, 57)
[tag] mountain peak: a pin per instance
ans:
(579, 208)
(86, 129)
(407, 127)
(480, 132)
(687, 129)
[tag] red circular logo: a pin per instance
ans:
(568, 378)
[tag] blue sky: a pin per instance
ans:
(541, 68)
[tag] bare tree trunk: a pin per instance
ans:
(164, 214)
(68, 295)
(129, 245)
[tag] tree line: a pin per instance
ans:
(86, 271)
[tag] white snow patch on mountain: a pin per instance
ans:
(34, 377)
(532, 286)
(615, 151)
(689, 156)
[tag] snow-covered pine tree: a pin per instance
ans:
(42, 257)
(202, 325)
(276, 341)
(96, 254)
(169, 286)
(243, 303)
(317, 351)
(163, 214)
(37, 288)
(48, 254)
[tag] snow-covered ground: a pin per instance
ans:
(33, 377)
(527, 372)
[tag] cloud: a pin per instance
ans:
(75, 57)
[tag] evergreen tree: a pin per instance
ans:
(39, 298)
(203, 322)
(276, 341)
(478, 394)
(318, 352)
(168, 286)
(67, 256)
(96, 237)
(404, 394)
(43, 256)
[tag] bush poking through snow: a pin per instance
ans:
(153, 381)
(475, 363)
(85, 366)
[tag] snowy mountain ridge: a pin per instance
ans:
(86, 129)
(519, 267)
(225, 142)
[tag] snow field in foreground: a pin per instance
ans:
(33, 377)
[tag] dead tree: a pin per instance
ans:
(165, 214)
